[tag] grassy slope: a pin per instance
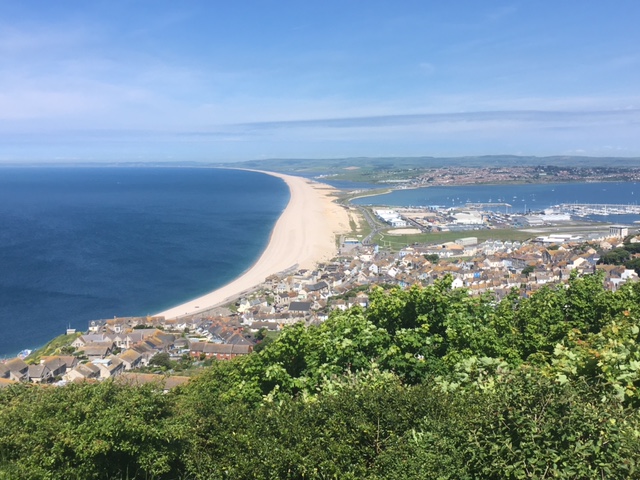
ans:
(52, 348)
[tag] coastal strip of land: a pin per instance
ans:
(304, 235)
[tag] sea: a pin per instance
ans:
(80, 244)
(520, 198)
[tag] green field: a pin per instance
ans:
(401, 241)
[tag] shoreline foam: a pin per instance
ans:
(303, 236)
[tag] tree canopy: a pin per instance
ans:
(426, 383)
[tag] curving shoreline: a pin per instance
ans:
(303, 236)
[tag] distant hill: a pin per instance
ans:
(301, 165)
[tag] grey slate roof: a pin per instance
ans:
(300, 307)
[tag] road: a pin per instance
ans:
(375, 226)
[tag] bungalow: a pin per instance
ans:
(218, 351)
(39, 373)
(59, 364)
(130, 359)
(109, 367)
(16, 369)
(91, 339)
(272, 326)
(86, 371)
(95, 352)
(166, 339)
(238, 339)
(146, 351)
(137, 336)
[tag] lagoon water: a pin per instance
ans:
(529, 197)
(78, 244)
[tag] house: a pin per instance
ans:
(96, 325)
(154, 343)
(166, 339)
(84, 340)
(269, 325)
(59, 364)
(362, 299)
(86, 371)
(145, 351)
(321, 287)
(97, 351)
(39, 373)
(339, 305)
(272, 281)
(300, 307)
(238, 339)
(135, 336)
(130, 359)
(109, 367)
(218, 351)
(15, 369)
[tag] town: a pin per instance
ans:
(154, 349)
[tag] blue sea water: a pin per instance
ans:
(529, 197)
(78, 244)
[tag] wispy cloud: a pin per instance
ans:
(521, 116)
(427, 68)
(22, 40)
(502, 12)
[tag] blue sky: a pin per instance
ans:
(221, 81)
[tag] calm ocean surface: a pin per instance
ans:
(520, 197)
(85, 243)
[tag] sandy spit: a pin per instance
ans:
(303, 236)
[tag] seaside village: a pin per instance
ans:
(146, 349)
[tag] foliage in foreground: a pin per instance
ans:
(427, 383)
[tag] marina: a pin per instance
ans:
(604, 209)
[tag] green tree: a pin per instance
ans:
(162, 360)
(432, 257)
(528, 270)
(616, 256)
(86, 431)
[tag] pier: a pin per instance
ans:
(487, 205)
(583, 209)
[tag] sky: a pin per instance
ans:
(205, 80)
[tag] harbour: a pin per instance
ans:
(604, 209)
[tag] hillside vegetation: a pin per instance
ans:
(427, 383)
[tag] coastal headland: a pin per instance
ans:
(304, 235)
